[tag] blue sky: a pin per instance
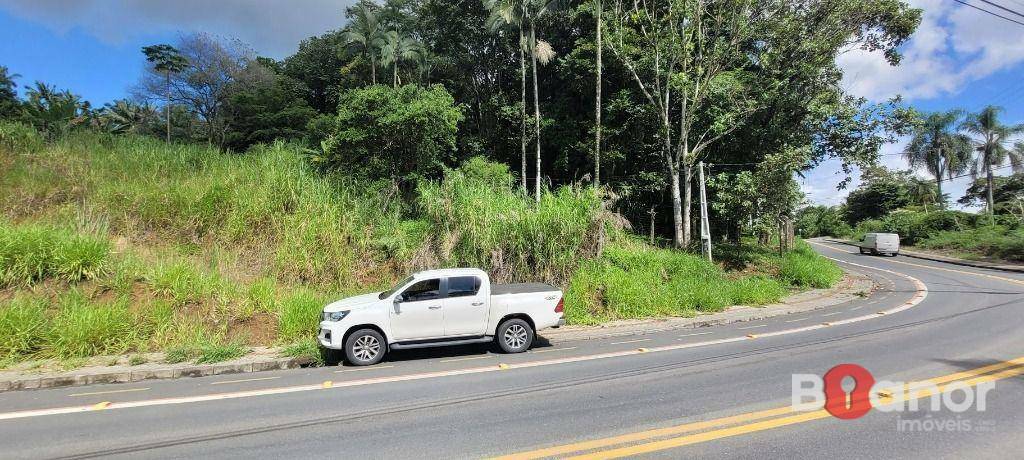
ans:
(959, 57)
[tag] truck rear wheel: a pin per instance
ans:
(514, 335)
(365, 347)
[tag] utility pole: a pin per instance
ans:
(705, 227)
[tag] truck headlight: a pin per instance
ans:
(335, 315)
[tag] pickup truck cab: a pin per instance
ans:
(436, 308)
(881, 243)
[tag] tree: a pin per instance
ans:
(938, 148)
(364, 33)
(399, 133)
(540, 50)
(9, 104)
(991, 139)
(396, 48)
(216, 67)
(505, 13)
(54, 112)
(598, 11)
(268, 107)
(166, 59)
(323, 65)
(124, 116)
(1007, 192)
(922, 192)
(882, 192)
(688, 50)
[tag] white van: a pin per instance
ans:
(881, 243)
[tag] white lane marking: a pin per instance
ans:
(696, 333)
(630, 341)
(257, 379)
(856, 308)
(129, 390)
(751, 327)
(549, 350)
(798, 319)
(470, 358)
(368, 368)
(832, 314)
(919, 296)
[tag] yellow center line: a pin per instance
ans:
(257, 379)
(129, 390)
(1006, 369)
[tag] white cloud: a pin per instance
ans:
(954, 45)
(273, 27)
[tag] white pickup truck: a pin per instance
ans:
(440, 307)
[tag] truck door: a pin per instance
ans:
(465, 307)
(418, 314)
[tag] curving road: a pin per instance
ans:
(713, 392)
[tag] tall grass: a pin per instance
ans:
(804, 267)
(478, 223)
(300, 316)
(82, 329)
(630, 282)
(35, 252)
(23, 327)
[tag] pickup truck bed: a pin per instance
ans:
(520, 288)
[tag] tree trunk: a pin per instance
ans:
(687, 204)
(597, 100)
(677, 210)
(938, 189)
(990, 182)
(167, 107)
(373, 70)
(522, 109)
(394, 78)
(652, 212)
(536, 104)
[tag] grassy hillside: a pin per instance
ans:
(114, 245)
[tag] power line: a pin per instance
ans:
(1002, 7)
(989, 12)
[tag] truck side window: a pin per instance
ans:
(423, 290)
(463, 286)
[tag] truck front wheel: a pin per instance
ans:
(365, 347)
(514, 336)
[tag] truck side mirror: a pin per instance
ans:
(398, 303)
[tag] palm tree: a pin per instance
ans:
(522, 14)
(396, 48)
(922, 192)
(939, 149)
(365, 33)
(54, 112)
(510, 13)
(166, 59)
(539, 50)
(991, 137)
(124, 116)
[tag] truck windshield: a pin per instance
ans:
(390, 292)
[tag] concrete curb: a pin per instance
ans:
(949, 260)
(149, 373)
(851, 287)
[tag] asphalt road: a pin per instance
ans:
(711, 392)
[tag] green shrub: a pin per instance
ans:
(23, 328)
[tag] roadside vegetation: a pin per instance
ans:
(217, 252)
